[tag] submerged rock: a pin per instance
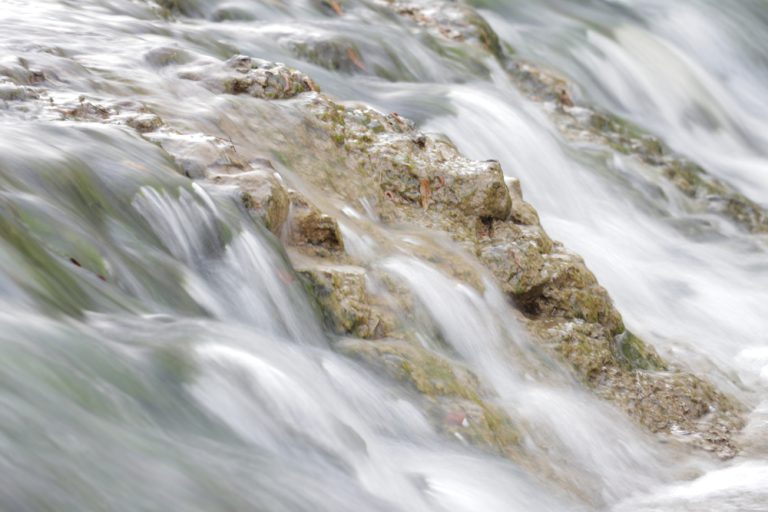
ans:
(453, 20)
(9, 91)
(457, 402)
(328, 51)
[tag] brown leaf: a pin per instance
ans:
(335, 5)
(564, 97)
(355, 58)
(426, 192)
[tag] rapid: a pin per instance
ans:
(159, 352)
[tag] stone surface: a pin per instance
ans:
(310, 228)
(357, 156)
(453, 20)
(245, 75)
(342, 294)
(458, 404)
(262, 193)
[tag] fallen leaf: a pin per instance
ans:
(426, 193)
(355, 58)
(335, 5)
(564, 97)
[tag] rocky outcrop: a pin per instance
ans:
(358, 155)
(421, 179)
(457, 21)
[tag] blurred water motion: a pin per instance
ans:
(156, 351)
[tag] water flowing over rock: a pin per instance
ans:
(225, 288)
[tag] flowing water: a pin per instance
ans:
(158, 353)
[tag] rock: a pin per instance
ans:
(185, 7)
(458, 22)
(87, 111)
(309, 227)
(167, 56)
(327, 50)
(255, 77)
(342, 294)
(9, 91)
(458, 404)
(520, 211)
(199, 155)
(627, 372)
(262, 193)
(408, 164)
(715, 195)
(144, 123)
(452, 20)
(402, 176)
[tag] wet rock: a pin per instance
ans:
(521, 212)
(458, 22)
(342, 294)
(583, 124)
(404, 176)
(88, 111)
(310, 228)
(452, 20)
(21, 72)
(167, 56)
(551, 285)
(9, 91)
(715, 195)
(330, 52)
(186, 7)
(231, 13)
(627, 372)
(458, 403)
(255, 77)
(144, 122)
(330, 7)
(543, 278)
(262, 193)
(199, 155)
(412, 168)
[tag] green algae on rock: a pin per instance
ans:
(457, 401)
(341, 292)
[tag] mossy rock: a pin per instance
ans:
(457, 402)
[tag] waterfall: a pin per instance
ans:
(161, 346)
